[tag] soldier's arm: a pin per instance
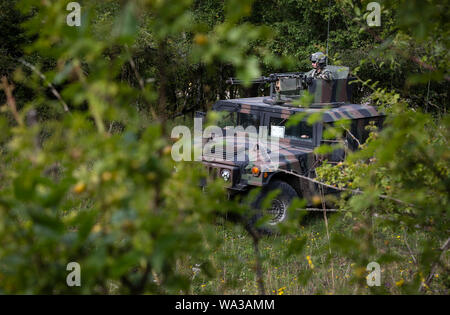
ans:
(326, 75)
(309, 73)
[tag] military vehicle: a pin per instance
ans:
(295, 144)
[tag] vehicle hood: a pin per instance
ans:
(268, 155)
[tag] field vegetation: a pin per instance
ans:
(86, 173)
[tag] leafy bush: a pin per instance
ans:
(86, 172)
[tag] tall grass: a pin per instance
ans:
(310, 271)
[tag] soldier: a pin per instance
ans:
(318, 62)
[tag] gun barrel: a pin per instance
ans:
(270, 79)
(237, 81)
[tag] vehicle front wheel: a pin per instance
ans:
(278, 211)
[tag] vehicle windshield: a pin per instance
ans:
(227, 119)
(302, 131)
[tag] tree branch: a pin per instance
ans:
(52, 88)
(430, 277)
(358, 192)
(259, 276)
(10, 100)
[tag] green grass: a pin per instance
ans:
(296, 274)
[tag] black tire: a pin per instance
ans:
(280, 205)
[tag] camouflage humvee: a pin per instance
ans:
(294, 145)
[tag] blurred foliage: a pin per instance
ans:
(96, 184)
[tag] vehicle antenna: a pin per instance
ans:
(328, 30)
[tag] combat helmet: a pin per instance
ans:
(319, 58)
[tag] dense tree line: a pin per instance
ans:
(293, 30)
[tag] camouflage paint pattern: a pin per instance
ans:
(289, 156)
(330, 98)
(329, 92)
(255, 105)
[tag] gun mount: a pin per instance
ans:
(288, 87)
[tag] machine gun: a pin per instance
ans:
(284, 87)
(272, 78)
(287, 87)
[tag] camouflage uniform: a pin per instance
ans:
(324, 74)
